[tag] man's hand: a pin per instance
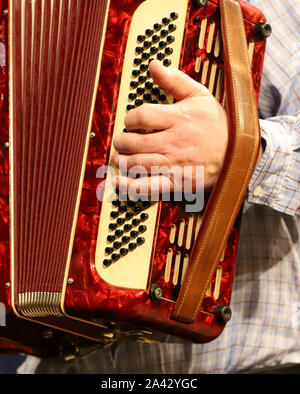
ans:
(191, 132)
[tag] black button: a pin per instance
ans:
(142, 79)
(149, 32)
(149, 85)
(114, 214)
(165, 21)
(147, 44)
(164, 33)
(135, 73)
(134, 84)
(168, 51)
(139, 91)
(111, 238)
(162, 97)
(113, 226)
(140, 240)
(118, 233)
(140, 38)
(147, 97)
(157, 26)
(137, 61)
(139, 49)
(138, 102)
(120, 221)
(125, 239)
(160, 56)
(135, 222)
(129, 215)
(116, 203)
(142, 229)
(117, 245)
(174, 15)
(123, 251)
(132, 246)
(137, 209)
(134, 234)
(155, 91)
(132, 96)
(162, 44)
(129, 107)
(115, 256)
(143, 67)
(122, 208)
(155, 38)
(167, 62)
(170, 39)
(127, 227)
(144, 216)
(172, 27)
(109, 250)
(106, 262)
(145, 56)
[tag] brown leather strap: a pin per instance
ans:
(228, 194)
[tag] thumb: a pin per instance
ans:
(175, 82)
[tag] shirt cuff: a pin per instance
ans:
(274, 183)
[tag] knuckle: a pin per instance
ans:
(117, 142)
(115, 159)
(141, 114)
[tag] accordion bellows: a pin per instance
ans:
(76, 68)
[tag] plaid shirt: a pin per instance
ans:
(265, 328)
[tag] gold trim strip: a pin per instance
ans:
(212, 77)
(176, 268)
(217, 44)
(173, 233)
(189, 233)
(204, 71)
(39, 304)
(210, 37)
(168, 265)
(181, 232)
(202, 33)
(218, 282)
(198, 64)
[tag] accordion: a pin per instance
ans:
(106, 270)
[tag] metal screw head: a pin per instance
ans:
(48, 334)
(70, 281)
(93, 134)
(200, 3)
(263, 30)
(155, 293)
(223, 313)
(7, 285)
(5, 12)
(6, 145)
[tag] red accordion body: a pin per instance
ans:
(117, 312)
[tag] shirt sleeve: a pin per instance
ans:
(276, 179)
